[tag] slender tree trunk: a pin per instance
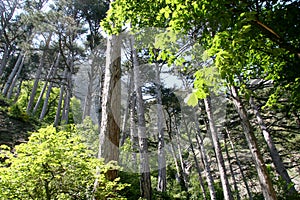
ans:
(133, 132)
(45, 104)
(162, 172)
(15, 79)
(218, 151)
(209, 178)
(280, 168)
(231, 170)
(51, 73)
(60, 101)
(110, 131)
(145, 181)
(183, 168)
(169, 131)
(4, 58)
(37, 77)
(68, 96)
(263, 177)
(239, 165)
(201, 182)
(12, 74)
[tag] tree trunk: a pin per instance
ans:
(281, 170)
(51, 73)
(133, 132)
(37, 77)
(239, 165)
(263, 177)
(68, 96)
(12, 74)
(4, 58)
(162, 172)
(231, 170)
(110, 119)
(60, 101)
(145, 181)
(218, 151)
(15, 79)
(201, 182)
(209, 178)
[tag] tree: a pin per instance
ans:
(109, 130)
(145, 179)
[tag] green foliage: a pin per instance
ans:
(16, 112)
(54, 165)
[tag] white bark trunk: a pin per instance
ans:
(145, 180)
(218, 151)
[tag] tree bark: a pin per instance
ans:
(145, 181)
(239, 165)
(37, 77)
(280, 168)
(61, 95)
(110, 131)
(162, 172)
(231, 170)
(218, 151)
(201, 182)
(15, 70)
(209, 178)
(263, 177)
(15, 79)
(51, 73)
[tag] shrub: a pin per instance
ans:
(54, 165)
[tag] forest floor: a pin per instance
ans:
(13, 130)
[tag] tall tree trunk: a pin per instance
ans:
(45, 104)
(145, 180)
(169, 131)
(4, 58)
(60, 101)
(183, 167)
(231, 170)
(51, 73)
(209, 178)
(110, 131)
(15, 79)
(67, 100)
(162, 172)
(201, 182)
(37, 77)
(218, 151)
(239, 165)
(281, 170)
(263, 177)
(12, 74)
(133, 132)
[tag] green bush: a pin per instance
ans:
(16, 112)
(54, 165)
